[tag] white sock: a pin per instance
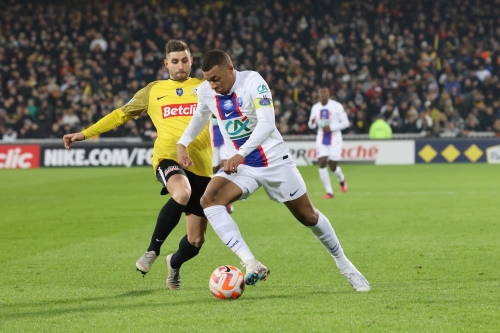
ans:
(338, 173)
(228, 231)
(325, 179)
(324, 232)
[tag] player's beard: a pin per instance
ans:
(182, 76)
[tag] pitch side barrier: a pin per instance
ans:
(41, 153)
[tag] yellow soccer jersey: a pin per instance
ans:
(170, 105)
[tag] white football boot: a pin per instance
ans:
(355, 278)
(173, 275)
(255, 272)
(145, 262)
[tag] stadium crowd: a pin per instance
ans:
(426, 66)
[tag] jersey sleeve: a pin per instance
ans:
(264, 109)
(132, 110)
(341, 121)
(312, 119)
(197, 122)
(139, 103)
(107, 123)
(260, 93)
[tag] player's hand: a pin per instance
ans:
(73, 137)
(183, 157)
(327, 129)
(231, 165)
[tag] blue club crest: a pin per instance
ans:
(240, 101)
(179, 92)
(228, 105)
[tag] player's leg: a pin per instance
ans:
(304, 211)
(229, 206)
(285, 184)
(222, 190)
(175, 182)
(216, 161)
(335, 154)
(189, 247)
(224, 156)
(323, 153)
(196, 225)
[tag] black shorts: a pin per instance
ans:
(167, 168)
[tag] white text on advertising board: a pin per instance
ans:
(98, 157)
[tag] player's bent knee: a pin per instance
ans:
(309, 219)
(182, 195)
(197, 241)
(207, 200)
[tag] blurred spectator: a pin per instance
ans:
(441, 124)
(410, 124)
(380, 129)
(148, 133)
(496, 127)
(9, 135)
(70, 64)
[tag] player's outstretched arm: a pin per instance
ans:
(73, 137)
(134, 108)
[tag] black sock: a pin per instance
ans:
(185, 252)
(167, 220)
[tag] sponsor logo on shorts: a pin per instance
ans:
(178, 110)
(292, 194)
(170, 169)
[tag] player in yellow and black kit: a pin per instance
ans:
(170, 104)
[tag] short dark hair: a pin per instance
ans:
(176, 45)
(214, 58)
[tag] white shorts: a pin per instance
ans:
(333, 151)
(219, 154)
(281, 182)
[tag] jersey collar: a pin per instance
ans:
(236, 82)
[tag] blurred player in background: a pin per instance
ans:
(243, 106)
(170, 104)
(220, 152)
(330, 118)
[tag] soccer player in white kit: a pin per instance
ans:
(330, 118)
(243, 106)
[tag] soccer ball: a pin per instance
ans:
(227, 282)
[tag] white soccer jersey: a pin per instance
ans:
(331, 114)
(237, 117)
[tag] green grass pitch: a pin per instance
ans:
(427, 237)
